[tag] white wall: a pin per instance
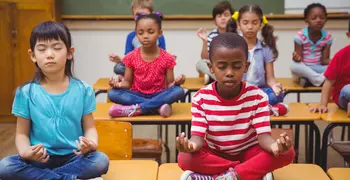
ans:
(298, 6)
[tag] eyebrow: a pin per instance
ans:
(42, 44)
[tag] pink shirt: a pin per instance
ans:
(149, 77)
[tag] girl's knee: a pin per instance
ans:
(178, 91)
(114, 94)
(101, 162)
(6, 166)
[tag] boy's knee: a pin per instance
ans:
(184, 161)
(345, 91)
(119, 68)
(288, 156)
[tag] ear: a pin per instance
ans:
(247, 64)
(160, 33)
(348, 34)
(210, 66)
(70, 53)
(31, 55)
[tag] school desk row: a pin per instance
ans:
(149, 170)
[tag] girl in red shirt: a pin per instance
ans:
(148, 84)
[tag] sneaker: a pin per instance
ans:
(268, 176)
(230, 174)
(189, 175)
(165, 110)
(118, 110)
(279, 109)
(206, 79)
(303, 82)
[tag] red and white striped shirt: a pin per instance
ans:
(232, 125)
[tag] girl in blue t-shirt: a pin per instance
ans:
(55, 137)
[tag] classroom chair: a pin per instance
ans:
(339, 173)
(114, 139)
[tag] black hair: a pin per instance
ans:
(157, 17)
(308, 9)
(221, 7)
(269, 39)
(229, 41)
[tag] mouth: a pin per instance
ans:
(50, 63)
(230, 82)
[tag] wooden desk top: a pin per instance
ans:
(290, 85)
(300, 172)
(297, 112)
(334, 115)
(132, 169)
(181, 112)
(169, 171)
(339, 173)
(101, 84)
(193, 84)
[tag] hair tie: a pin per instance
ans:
(235, 15)
(265, 21)
(158, 14)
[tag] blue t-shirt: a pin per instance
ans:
(56, 119)
(259, 56)
(133, 43)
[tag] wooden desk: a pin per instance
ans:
(293, 87)
(339, 173)
(101, 86)
(335, 117)
(299, 114)
(169, 171)
(193, 85)
(300, 172)
(132, 169)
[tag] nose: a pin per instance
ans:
(229, 72)
(49, 53)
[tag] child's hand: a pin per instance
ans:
(114, 58)
(296, 57)
(178, 81)
(36, 153)
(85, 146)
(202, 33)
(277, 89)
(185, 145)
(281, 145)
(115, 81)
(321, 109)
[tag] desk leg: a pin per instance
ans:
(314, 127)
(325, 145)
(309, 142)
(296, 142)
(99, 92)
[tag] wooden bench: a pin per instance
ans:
(148, 148)
(339, 173)
(132, 169)
(114, 139)
(335, 117)
(171, 171)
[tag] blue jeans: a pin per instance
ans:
(344, 97)
(119, 68)
(147, 102)
(68, 167)
(273, 99)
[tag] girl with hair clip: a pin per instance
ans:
(262, 54)
(149, 73)
(56, 137)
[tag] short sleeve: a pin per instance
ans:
(261, 118)
(170, 62)
(268, 55)
(329, 39)
(334, 66)
(199, 122)
(128, 60)
(89, 100)
(20, 106)
(298, 39)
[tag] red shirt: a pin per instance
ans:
(339, 71)
(230, 126)
(149, 77)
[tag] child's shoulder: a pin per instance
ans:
(80, 83)
(252, 90)
(26, 88)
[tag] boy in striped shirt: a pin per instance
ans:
(230, 123)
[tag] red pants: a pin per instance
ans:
(251, 164)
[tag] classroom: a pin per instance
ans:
(213, 106)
